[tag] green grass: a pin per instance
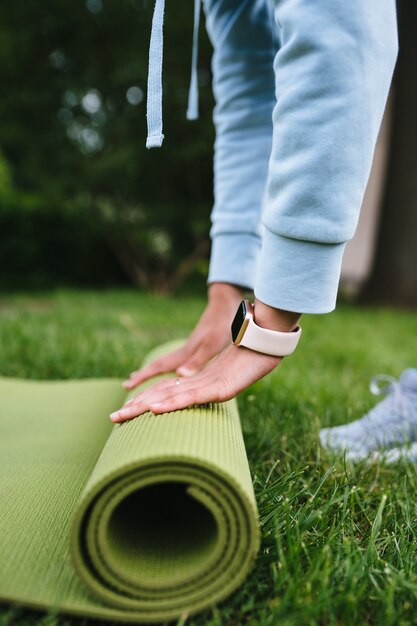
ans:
(339, 541)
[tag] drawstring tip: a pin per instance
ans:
(192, 112)
(192, 105)
(154, 141)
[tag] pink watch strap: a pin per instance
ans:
(272, 342)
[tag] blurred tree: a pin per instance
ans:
(5, 177)
(73, 128)
(394, 275)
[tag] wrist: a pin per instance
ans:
(275, 319)
(222, 293)
(270, 333)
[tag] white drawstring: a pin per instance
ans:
(192, 110)
(154, 97)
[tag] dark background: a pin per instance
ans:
(82, 202)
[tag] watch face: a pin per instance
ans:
(238, 320)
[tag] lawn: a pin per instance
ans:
(338, 539)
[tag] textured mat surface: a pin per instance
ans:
(136, 522)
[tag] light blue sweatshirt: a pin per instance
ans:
(300, 89)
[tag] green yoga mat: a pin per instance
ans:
(138, 522)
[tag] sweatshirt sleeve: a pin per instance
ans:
(333, 72)
(244, 38)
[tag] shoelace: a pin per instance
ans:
(401, 397)
(154, 97)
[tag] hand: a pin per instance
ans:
(209, 338)
(229, 373)
(225, 376)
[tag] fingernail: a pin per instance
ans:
(125, 383)
(184, 371)
(155, 405)
(114, 416)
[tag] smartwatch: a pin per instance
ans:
(249, 335)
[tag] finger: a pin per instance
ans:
(155, 394)
(196, 361)
(152, 389)
(129, 412)
(186, 398)
(165, 391)
(160, 366)
(167, 363)
(140, 403)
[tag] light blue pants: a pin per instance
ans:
(300, 89)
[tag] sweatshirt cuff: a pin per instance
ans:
(297, 275)
(234, 258)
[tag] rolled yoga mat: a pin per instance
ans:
(137, 522)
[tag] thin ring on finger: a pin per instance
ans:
(175, 385)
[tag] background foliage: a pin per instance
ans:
(81, 199)
(78, 189)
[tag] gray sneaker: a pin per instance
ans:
(405, 453)
(392, 422)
